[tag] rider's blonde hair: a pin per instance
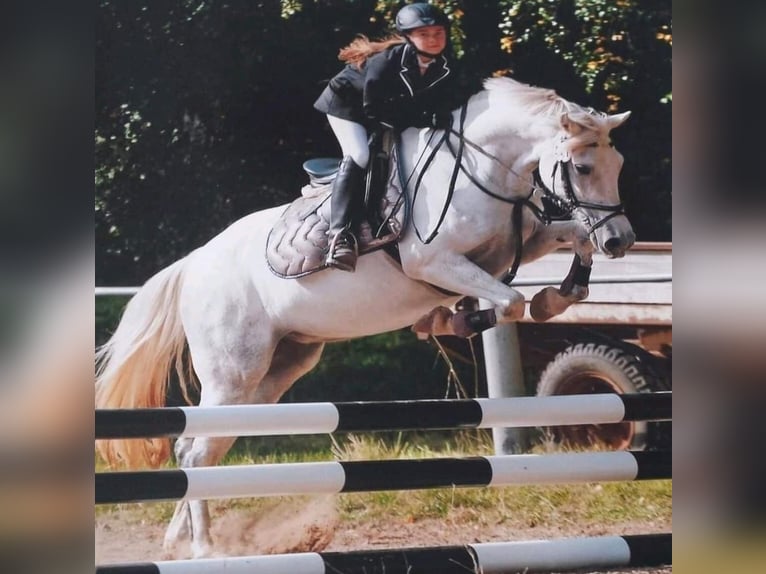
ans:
(357, 52)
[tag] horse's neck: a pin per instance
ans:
(500, 150)
(510, 149)
(490, 121)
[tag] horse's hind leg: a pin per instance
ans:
(191, 519)
(206, 451)
(179, 527)
(290, 361)
(230, 360)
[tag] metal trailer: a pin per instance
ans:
(619, 340)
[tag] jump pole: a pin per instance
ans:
(321, 418)
(244, 481)
(486, 558)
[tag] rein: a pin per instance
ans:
(518, 203)
(453, 178)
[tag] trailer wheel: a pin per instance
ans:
(598, 367)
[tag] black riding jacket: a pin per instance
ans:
(389, 89)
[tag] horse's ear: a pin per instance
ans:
(570, 124)
(566, 123)
(615, 120)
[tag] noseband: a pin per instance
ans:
(569, 203)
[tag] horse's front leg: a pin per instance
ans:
(457, 273)
(551, 301)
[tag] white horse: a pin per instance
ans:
(251, 334)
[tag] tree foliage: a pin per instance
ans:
(204, 108)
(606, 42)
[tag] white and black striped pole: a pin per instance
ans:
(489, 558)
(378, 475)
(321, 418)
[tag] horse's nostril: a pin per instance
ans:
(612, 243)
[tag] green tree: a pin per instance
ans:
(613, 55)
(203, 114)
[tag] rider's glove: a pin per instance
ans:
(441, 120)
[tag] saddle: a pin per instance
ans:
(297, 244)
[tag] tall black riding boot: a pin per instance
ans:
(346, 197)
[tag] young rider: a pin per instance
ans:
(405, 80)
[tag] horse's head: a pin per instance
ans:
(581, 170)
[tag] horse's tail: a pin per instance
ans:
(134, 366)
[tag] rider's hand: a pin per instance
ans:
(441, 120)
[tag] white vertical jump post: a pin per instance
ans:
(505, 378)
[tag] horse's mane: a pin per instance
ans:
(532, 101)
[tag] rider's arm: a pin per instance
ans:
(378, 103)
(387, 101)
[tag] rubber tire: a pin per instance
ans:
(598, 367)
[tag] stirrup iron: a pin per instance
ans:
(343, 251)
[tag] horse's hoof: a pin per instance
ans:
(467, 324)
(170, 551)
(204, 550)
(539, 315)
(540, 308)
(437, 322)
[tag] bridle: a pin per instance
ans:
(569, 204)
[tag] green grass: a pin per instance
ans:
(523, 506)
(603, 503)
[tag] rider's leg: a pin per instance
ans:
(344, 207)
(346, 193)
(352, 138)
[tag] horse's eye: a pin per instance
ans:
(583, 169)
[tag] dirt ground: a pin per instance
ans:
(124, 536)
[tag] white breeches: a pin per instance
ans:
(352, 138)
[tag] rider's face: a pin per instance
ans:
(429, 39)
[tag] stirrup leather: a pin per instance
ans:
(343, 251)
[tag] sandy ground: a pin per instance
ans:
(124, 536)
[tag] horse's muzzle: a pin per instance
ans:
(617, 245)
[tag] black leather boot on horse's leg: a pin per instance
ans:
(344, 209)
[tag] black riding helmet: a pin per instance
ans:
(418, 15)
